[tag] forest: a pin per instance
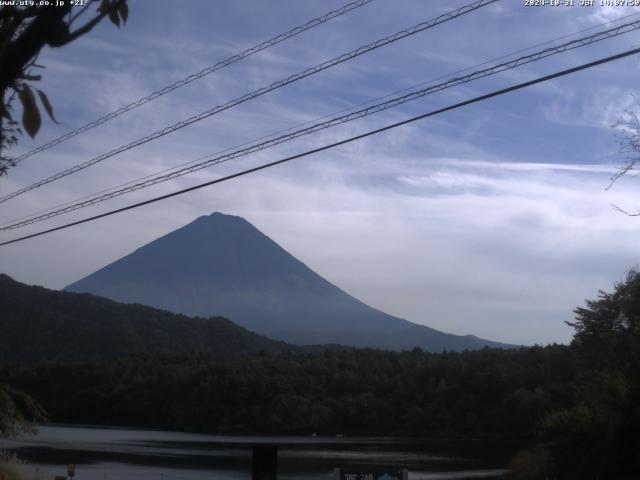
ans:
(368, 392)
(576, 407)
(72, 326)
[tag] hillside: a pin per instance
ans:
(38, 323)
(222, 265)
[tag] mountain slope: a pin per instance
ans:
(223, 265)
(41, 324)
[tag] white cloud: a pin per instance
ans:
(607, 13)
(599, 107)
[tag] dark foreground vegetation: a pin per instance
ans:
(41, 324)
(353, 392)
(578, 406)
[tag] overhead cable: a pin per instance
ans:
(249, 96)
(336, 144)
(364, 112)
(195, 76)
(309, 122)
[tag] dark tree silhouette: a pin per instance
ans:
(599, 436)
(628, 128)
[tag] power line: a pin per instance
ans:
(308, 122)
(336, 144)
(195, 76)
(281, 83)
(370, 110)
(289, 129)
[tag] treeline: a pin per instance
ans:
(368, 392)
(41, 324)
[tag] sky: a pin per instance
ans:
(494, 219)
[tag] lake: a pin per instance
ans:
(127, 454)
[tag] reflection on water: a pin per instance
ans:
(126, 454)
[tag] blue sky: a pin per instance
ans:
(491, 220)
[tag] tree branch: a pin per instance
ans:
(44, 28)
(629, 214)
(81, 11)
(86, 28)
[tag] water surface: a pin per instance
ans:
(128, 454)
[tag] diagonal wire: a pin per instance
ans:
(195, 76)
(352, 107)
(345, 141)
(364, 112)
(280, 83)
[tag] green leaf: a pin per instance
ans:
(113, 16)
(31, 120)
(123, 10)
(47, 106)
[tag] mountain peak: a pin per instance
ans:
(222, 265)
(219, 216)
(219, 225)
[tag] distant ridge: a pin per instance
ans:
(41, 324)
(222, 265)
